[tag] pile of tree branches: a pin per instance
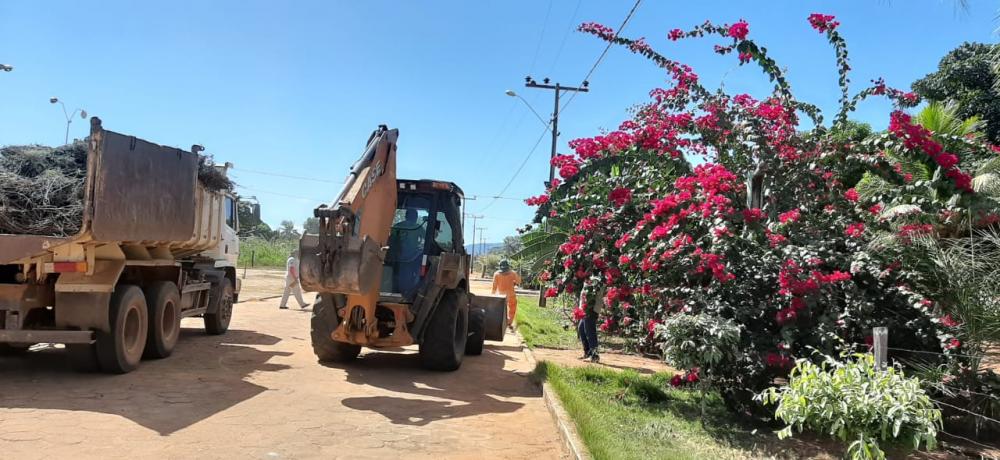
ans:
(41, 188)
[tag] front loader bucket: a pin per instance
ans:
(350, 265)
(496, 314)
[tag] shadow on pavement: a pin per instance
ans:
(474, 389)
(205, 375)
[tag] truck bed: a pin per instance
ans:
(136, 192)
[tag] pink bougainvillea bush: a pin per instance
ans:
(731, 205)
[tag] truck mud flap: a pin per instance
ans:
(496, 314)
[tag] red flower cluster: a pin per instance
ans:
(739, 30)
(537, 200)
(948, 321)
(573, 246)
(600, 30)
(855, 230)
(753, 215)
(620, 196)
(790, 216)
(908, 231)
(917, 137)
(851, 195)
(675, 34)
(823, 22)
(567, 164)
(792, 279)
(688, 377)
(779, 361)
(640, 46)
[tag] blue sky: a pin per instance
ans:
(295, 88)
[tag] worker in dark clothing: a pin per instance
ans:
(586, 329)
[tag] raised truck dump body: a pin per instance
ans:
(154, 245)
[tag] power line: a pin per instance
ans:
(519, 168)
(572, 22)
(288, 176)
(541, 37)
(286, 195)
(605, 52)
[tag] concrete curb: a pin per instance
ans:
(567, 429)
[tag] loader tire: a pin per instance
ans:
(217, 323)
(324, 322)
(443, 345)
(120, 351)
(164, 302)
(477, 331)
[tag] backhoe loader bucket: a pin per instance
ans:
(351, 265)
(496, 314)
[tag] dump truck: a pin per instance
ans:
(155, 245)
(390, 267)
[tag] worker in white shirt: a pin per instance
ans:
(292, 281)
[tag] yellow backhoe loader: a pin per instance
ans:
(390, 267)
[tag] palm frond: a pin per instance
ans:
(899, 210)
(871, 186)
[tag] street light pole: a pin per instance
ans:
(69, 117)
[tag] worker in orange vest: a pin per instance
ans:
(504, 282)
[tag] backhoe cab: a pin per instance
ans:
(391, 270)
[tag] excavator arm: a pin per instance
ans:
(346, 257)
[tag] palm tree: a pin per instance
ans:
(903, 202)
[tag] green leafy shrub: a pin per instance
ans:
(858, 403)
(701, 340)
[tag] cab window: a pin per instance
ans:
(443, 236)
(230, 212)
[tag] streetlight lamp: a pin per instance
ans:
(69, 117)
(511, 93)
(6, 67)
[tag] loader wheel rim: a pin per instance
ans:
(132, 342)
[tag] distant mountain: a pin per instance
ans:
(479, 247)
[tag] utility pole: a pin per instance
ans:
(557, 90)
(474, 219)
(482, 247)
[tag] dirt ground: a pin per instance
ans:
(258, 392)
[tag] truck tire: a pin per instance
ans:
(217, 323)
(82, 357)
(477, 331)
(324, 321)
(120, 351)
(164, 301)
(443, 345)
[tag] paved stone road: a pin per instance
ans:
(258, 392)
